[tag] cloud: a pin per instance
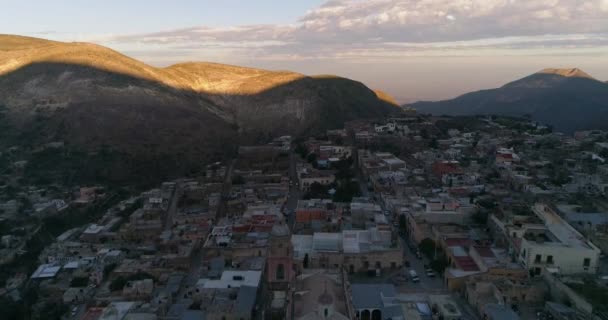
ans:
(340, 28)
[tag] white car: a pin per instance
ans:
(430, 273)
(413, 276)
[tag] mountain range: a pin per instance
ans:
(91, 96)
(567, 99)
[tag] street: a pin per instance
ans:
(294, 191)
(426, 283)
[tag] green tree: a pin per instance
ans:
(439, 264)
(311, 158)
(238, 180)
(79, 282)
(427, 247)
(402, 223)
(480, 217)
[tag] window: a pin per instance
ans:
(326, 312)
(586, 262)
(549, 259)
(280, 275)
(537, 258)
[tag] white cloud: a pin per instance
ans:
(363, 26)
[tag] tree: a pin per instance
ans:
(79, 282)
(311, 158)
(301, 150)
(238, 179)
(480, 217)
(402, 223)
(427, 247)
(439, 264)
(346, 190)
(118, 283)
(108, 269)
(317, 191)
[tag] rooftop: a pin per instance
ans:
(372, 296)
(46, 271)
(499, 312)
(559, 231)
(93, 229)
(233, 279)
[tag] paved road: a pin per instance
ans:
(177, 193)
(294, 190)
(227, 185)
(426, 283)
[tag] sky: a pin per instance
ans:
(412, 49)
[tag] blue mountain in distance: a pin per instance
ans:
(567, 99)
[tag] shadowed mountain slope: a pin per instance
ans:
(90, 97)
(567, 99)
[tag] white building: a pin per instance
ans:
(556, 244)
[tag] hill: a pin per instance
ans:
(92, 97)
(567, 99)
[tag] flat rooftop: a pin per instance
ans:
(233, 279)
(561, 233)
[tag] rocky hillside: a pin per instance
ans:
(567, 99)
(91, 96)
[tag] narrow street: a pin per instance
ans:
(426, 283)
(294, 190)
(172, 209)
(227, 184)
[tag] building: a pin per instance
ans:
(496, 311)
(308, 177)
(555, 244)
(375, 301)
(353, 250)
(232, 297)
(363, 211)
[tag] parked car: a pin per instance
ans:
(430, 273)
(414, 276)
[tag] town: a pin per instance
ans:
(416, 217)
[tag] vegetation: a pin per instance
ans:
(119, 282)
(238, 180)
(402, 223)
(79, 282)
(108, 269)
(73, 216)
(592, 292)
(438, 259)
(439, 264)
(480, 217)
(427, 247)
(301, 150)
(346, 188)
